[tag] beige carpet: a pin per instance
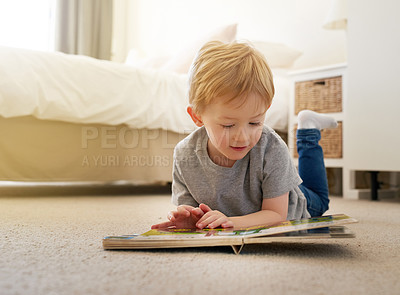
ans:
(52, 245)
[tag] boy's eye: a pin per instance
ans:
(255, 123)
(228, 126)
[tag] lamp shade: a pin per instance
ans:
(337, 16)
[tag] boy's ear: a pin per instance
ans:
(196, 119)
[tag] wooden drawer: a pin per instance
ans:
(331, 142)
(321, 95)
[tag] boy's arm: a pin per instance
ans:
(273, 210)
(187, 212)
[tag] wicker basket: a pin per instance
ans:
(331, 142)
(323, 95)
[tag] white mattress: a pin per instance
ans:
(78, 89)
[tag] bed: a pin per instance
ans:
(68, 118)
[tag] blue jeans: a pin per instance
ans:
(312, 171)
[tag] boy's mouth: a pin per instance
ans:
(238, 148)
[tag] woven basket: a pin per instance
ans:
(331, 142)
(322, 95)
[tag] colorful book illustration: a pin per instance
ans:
(329, 226)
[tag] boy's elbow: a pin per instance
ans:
(284, 215)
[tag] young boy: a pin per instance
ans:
(233, 171)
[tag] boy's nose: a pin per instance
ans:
(241, 137)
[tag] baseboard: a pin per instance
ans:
(365, 194)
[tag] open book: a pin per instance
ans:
(329, 226)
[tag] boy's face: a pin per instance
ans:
(233, 128)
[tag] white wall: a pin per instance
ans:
(160, 27)
(372, 137)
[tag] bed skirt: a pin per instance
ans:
(52, 151)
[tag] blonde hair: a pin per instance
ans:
(232, 69)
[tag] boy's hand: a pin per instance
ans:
(184, 216)
(213, 218)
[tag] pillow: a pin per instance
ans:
(182, 61)
(278, 55)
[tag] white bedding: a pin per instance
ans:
(78, 89)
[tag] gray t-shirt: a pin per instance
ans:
(265, 172)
